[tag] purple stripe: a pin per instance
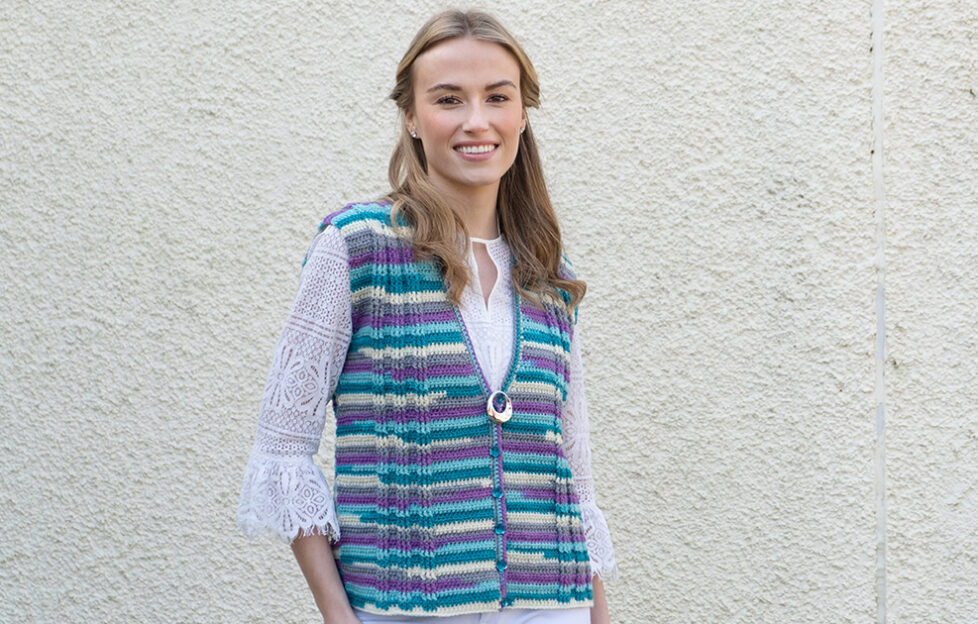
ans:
(543, 537)
(444, 370)
(397, 255)
(522, 446)
(416, 543)
(371, 319)
(402, 504)
(545, 364)
(411, 372)
(539, 494)
(541, 577)
(402, 320)
(545, 317)
(415, 415)
(411, 459)
(441, 584)
(358, 366)
(535, 313)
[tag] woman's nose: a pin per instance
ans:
(476, 119)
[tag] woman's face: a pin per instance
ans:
(467, 113)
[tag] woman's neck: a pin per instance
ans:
(476, 207)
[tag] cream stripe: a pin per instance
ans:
(377, 292)
(450, 348)
(437, 571)
(529, 517)
(397, 400)
(368, 439)
(372, 481)
(373, 224)
(464, 527)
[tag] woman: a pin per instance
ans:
(440, 322)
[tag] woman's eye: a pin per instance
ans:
(498, 98)
(447, 99)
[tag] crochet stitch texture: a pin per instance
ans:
(440, 509)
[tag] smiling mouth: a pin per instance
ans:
(476, 149)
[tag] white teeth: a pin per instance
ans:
(475, 149)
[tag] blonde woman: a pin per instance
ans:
(440, 323)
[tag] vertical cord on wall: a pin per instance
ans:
(879, 194)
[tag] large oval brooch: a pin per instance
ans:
(499, 407)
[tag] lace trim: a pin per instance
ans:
(599, 547)
(286, 497)
(283, 492)
(575, 434)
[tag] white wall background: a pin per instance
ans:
(163, 166)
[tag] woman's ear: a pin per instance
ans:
(409, 122)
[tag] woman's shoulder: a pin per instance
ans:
(358, 212)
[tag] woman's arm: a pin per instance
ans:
(599, 612)
(575, 431)
(315, 558)
(284, 492)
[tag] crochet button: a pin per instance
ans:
(494, 451)
(500, 565)
(500, 529)
(497, 492)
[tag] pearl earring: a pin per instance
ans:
(414, 134)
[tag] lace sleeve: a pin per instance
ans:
(284, 492)
(575, 433)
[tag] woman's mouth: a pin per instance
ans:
(476, 149)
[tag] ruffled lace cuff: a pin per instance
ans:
(286, 496)
(599, 547)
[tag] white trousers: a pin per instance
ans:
(580, 615)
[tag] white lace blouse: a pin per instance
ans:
(284, 492)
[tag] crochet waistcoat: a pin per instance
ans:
(441, 510)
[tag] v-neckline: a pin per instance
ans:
(487, 244)
(516, 338)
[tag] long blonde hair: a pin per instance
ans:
(526, 216)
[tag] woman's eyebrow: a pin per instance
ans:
(445, 86)
(501, 83)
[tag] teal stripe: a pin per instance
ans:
(535, 592)
(361, 278)
(395, 557)
(392, 516)
(531, 373)
(391, 332)
(362, 212)
(541, 334)
(376, 339)
(530, 422)
(450, 386)
(396, 478)
(444, 429)
(533, 428)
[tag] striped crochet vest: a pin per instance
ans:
(441, 510)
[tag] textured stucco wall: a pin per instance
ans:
(163, 166)
(931, 80)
